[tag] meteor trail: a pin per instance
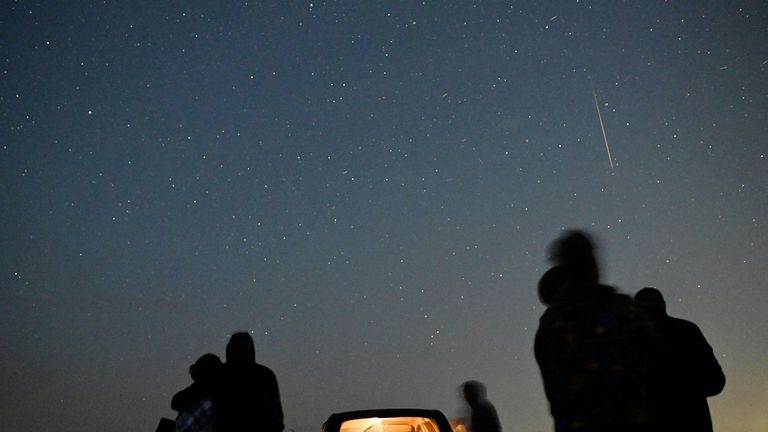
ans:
(602, 127)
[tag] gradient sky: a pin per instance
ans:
(369, 188)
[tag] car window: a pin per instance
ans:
(390, 424)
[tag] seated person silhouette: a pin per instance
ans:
(195, 403)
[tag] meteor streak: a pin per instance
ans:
(602, 127)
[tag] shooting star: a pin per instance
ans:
(602, 127)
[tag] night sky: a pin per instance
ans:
(369, 188)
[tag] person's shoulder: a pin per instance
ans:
(683, 325)
(548, 314)
(618, 301)
(490, 407)
(612, 294)
(262, 370)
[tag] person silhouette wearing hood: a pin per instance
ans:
(250, 397)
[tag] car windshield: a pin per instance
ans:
(390, 424)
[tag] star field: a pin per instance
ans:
(369, 188)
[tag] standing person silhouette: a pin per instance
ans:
(591, 345)
(685, 370)
(250, 398)
(483, 417)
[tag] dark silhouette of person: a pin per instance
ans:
(591, 346)
(550, 283)
(166, 425)
(195, 403)
(483, 417)
(685, 369)
(205, 373)
(249, 399)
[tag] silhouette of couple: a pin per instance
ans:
(612, 363)
(239, 395)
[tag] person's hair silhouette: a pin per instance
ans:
(685, 369)
(206, 369)
(550, 284)
(576, 251)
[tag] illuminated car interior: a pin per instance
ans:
(390, 424)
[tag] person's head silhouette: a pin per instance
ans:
(240, 349)
(575, 250)
(205, 368)
(651, 300)
(474, 391)
(550, 284)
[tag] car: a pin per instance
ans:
(388, 420)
